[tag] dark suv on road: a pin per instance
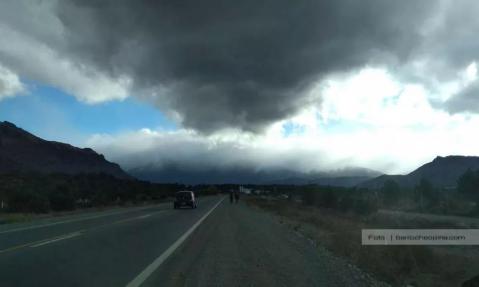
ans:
(185, 198)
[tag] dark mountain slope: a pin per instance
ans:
(21, 151)
(441, 172)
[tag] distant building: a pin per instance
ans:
(244, 190)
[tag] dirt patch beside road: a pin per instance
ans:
(397, 265)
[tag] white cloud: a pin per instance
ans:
(386, 149)
(470, 73)
(365, 119)
(360, 96)
(35, 60)
(10, 84)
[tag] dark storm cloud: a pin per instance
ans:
(467, 100)
(450, 47)
(240, 64)
(452, 42)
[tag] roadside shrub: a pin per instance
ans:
(28, 201)
(211, 190)
(426, 194)
(39, 204)
(346, 204)
(61, 199)
(34, 192)
(390, 192)
(328, 199)
(309, 197)
(365, 206)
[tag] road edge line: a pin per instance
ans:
(67, 236)
(140, 278)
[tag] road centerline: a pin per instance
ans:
(76, 233)
(39, 242)
(140, 278)
(73, 220)
(71, 235)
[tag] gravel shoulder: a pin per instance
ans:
(239, 245)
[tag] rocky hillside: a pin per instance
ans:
(21, 151)
(441, 172)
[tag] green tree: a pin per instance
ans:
(61, 199)
(328, 199)
(425, 193)
(390, 192)
(310, 195)
(346, 203)
(28, 200)
(365, 206)
(468, 184)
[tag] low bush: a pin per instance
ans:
(28, 201)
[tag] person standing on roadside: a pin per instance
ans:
(236, 196)
(231, 196)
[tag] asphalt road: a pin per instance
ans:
(104, 249)
(218, 244)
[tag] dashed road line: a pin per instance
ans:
(74, 234)
(43, 241)
(72, 220)
(138, 280)
(71, 235)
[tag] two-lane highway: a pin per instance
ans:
(218, 244)
(105, 249)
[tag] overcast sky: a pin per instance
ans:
(306, 85)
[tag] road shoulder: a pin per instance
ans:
(242, 246)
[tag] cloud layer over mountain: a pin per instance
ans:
(362, 70)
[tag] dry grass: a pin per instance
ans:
(397, 265)
(20, 217)
(6, 218)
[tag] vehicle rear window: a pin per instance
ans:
(183, 195)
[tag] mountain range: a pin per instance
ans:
(20, 151)
(442, 172)
(242, 175)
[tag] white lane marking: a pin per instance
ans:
(71, 235)
(71, 220)
(133, 218)
(158, 261)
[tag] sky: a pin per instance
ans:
(301, 85)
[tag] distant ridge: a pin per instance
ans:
(176, 174)
(21, 151)
(441, 172)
